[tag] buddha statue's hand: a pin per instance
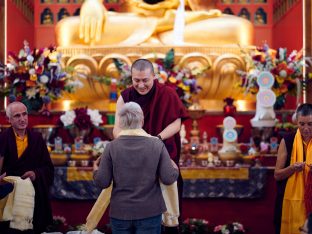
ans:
(92, 19)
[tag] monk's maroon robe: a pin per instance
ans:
(35, 158)
(161, 106)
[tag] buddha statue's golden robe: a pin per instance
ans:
(142, 23)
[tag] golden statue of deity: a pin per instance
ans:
(151, 22)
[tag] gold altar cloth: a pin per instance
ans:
(241, 173)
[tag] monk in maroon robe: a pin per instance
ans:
(34, 163)
(163, 110)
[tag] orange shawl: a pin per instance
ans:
(294, 212)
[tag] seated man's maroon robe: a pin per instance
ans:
(35, 158)
(161, 106)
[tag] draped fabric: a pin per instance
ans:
(19, 207)
(169, 193)
(281, 185)
(294, 212)
(35, 158)
(161, 106)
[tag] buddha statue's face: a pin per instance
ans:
(142, 81)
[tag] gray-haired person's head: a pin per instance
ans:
(304, 110)
(8, 110)
(131, 116)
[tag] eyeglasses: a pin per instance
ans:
(302, 229)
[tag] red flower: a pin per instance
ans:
(82, 120)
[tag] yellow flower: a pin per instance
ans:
(279, 79)
(53, 57)
(33, 77)
(172, 80)
(184, 87)
(277, 92)
(253, 89)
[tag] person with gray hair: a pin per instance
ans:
(293, 176)
(131, 116)
(135, 162)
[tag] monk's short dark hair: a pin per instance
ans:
(304, 110)
(142, 65)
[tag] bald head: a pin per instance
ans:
(12, 106)
(16, 113)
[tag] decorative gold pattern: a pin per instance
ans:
(217, 82)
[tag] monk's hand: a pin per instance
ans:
(298, 166)
(92, 18)
(1, 178)
(29, 174)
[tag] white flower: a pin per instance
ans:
(31, 93)
(10, 66)
(32, 71)
(96, 117)
(68, 118)
(44, 79)
(179, 76)
(281, 53)
(30, 58)
(283, 73)
(75, 84)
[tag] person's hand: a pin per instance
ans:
(96, 164)
(29, 174)
(1, 178)
(174, 164)
(298, 166)
(92, 19)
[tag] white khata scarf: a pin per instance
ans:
(19, 207)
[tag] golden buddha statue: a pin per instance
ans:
(151, 22)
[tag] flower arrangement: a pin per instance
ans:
(198, 226)
(35, 77)
(183, 80)
(59, 224)
(82, 118)
(195, 226)
(287, 71)
(231, 228)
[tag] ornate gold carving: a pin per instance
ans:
(218, 82)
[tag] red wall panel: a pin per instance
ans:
(19, 28)
(288, 31)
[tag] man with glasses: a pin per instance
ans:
(24, 154)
